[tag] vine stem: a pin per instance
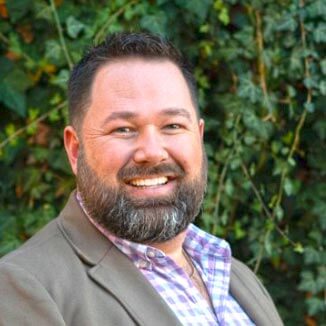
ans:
(256, 191)
(99, 34)
(221, 184)
(267, 213)
(296, 139)
(223, 173)
(219, 191)
(4, 39)
(261, 65)
(260, 199)
(295, 143)
(261, 251)
(61, 37)
(23, 129)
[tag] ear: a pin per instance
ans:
(201, 126)
(71, 142)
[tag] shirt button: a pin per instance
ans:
(142, 264)
(151, 254)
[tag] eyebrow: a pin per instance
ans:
(128, 115)
(177, 111)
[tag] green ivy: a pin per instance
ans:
(261, 77)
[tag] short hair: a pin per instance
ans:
(118, 46)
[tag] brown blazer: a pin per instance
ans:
(70, 274)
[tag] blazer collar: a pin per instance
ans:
(112, 270)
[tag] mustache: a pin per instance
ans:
(143, 171)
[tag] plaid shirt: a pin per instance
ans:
(211, 257)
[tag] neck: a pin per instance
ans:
(173, 248)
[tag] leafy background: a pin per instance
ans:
(261, 76)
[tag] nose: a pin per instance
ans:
(150, 148)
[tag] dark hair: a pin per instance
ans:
(118, 46)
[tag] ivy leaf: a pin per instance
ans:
(247, 89)
(154, 23)
(18, 80)
(310, 107)
(256, 125)
(13, 99)
(316, 8)
(291, 187)
(43, 11)
(18, 8)
(319, 33)
(320, 128)
(74, 26)
(61, 79)
(311, 256)
(199, 8)
(323, 66)
(287, 24)
(322, 87)
(53, 50)
(12, 90)
(315, 305)
(321, 279)
(249, 139)
(229, 187)
(268, 245)
(298, 248)
(296, 62)
(58, 161)
(239, 232)
(6, 66)
(308, 282)
(279, 212)
(319, 210)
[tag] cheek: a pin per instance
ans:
(108, 158)
(189, 153)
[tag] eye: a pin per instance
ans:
(173, 126)
(124, 131)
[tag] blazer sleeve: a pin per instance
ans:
(24, 300)
(252, 296)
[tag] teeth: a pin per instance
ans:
(149, 182)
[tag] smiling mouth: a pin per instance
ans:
(148, 182)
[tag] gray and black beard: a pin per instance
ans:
(145, 220)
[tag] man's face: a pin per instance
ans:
(141, 168)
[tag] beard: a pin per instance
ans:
(142, 220)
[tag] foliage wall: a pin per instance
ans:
(262, 84)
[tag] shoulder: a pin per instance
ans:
(242, 273)
(24, 275)
(251, 294)
(45, 254)
(43, 244)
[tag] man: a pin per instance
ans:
(123, 251)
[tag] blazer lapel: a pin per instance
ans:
(112, 270)
(118, 275)
(252, 296)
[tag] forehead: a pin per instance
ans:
(137, 84)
